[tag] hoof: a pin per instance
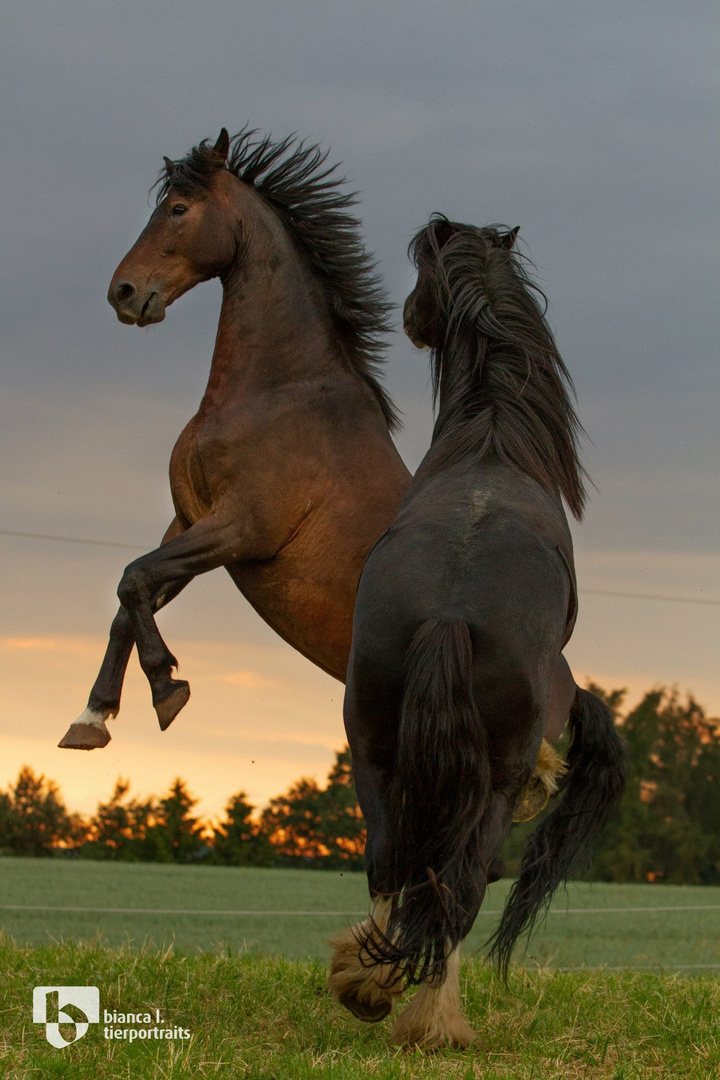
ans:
(367, 989)
(533, 799)
(544, 782)
(84, 735)
(169, 707)
(457, 1038)
(364, 1010)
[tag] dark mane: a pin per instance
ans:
(290, 176)
(502, 385)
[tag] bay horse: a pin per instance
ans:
(463, 608)
(287, 474)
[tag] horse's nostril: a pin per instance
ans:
(124, 292)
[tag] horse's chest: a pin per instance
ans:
(190, 490)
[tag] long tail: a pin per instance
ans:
(440, 792)
(590, 793)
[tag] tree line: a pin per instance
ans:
(668, 828)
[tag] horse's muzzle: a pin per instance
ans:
(135, 308)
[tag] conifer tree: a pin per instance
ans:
(240, 841)
(34, 819)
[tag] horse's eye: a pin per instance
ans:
(178, 210)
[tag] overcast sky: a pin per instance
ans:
(593, 127)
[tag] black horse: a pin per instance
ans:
(463, 608)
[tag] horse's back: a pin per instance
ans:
(476, 546)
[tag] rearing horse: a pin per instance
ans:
(287, 474)
(463, 608)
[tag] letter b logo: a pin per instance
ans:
(84, 998)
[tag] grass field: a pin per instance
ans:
(589, 925)
(249, 985)
(272, 1020)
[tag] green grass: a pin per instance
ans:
(270, 1019)
(250, 988)
(661, 938)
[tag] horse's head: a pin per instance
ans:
(190, 237)
(422, 311)
(425, 315)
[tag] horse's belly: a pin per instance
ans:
(313, 615)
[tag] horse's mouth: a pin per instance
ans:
(414, 336)
(152, 311)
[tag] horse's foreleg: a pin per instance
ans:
(206, 545)
(550, 766)
(89, 731)
(562, 695)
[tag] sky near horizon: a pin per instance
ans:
(592, 127)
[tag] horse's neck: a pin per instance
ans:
(494, 400)
(272, 330)
(462, 379)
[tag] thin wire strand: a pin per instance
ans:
(138, 547)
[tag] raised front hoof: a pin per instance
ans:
(544, 782)
(82, 736)
(364, 1010)
(168, 708)
(533, 799)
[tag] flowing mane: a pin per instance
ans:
(290, 176)
(501, 383)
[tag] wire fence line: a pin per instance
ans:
(639, 967)
(137, 547)
(72, 540)
(335, 914)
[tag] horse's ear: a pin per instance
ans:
(169, 164)
(508, 239)
(222, 145)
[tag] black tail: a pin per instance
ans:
(440, 792)
(590, 792)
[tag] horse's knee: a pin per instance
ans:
(132, 587)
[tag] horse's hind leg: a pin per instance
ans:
(435, 1018)
(363, 986)
(89, 731)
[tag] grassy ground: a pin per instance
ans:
(660, 937)
(272, 1020)
(267, 1016)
